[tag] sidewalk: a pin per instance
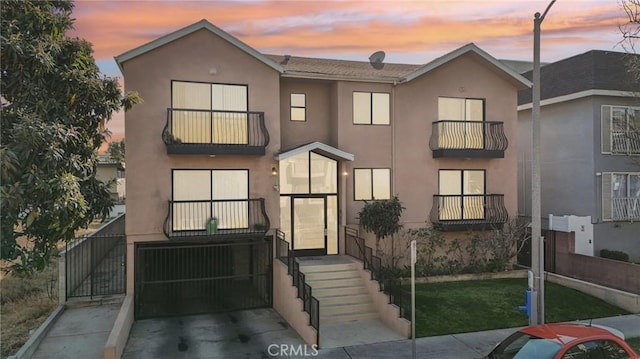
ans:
(459, 346)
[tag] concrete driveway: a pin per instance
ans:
(258, 333)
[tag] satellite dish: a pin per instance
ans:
(376, 59)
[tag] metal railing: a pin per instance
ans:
(211, 218)
(215, 132)
(625, 142)
(625, 208)
(390, 285)
(310, 303)
(477, 209)
(468, 135)
(95, 265)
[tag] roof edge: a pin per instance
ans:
(202, 24)
(470, 47)
(315, 146)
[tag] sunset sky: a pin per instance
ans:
(414, 31)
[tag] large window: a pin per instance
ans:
(621, 196)
(371, 108)
(461, 194)
(460, 123)
(298, 107)
(209, 113)
(199, 195)
(621, 130)
(371, 183)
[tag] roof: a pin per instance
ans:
(319, 147)
(308, 67)
(592, 70)
(202, 24)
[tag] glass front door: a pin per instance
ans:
(309, 226)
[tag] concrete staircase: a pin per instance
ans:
(340, 291)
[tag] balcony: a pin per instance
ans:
(223, 219)
(468, 212)
(207, 132)
(468, 139)
(625, 209)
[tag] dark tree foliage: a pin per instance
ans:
(116, 151)
(53, 102)
(382, 218)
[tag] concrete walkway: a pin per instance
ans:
(79, 332)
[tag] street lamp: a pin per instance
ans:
(537, 241)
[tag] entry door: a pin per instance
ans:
(309, 225)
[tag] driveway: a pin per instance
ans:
(242, 334)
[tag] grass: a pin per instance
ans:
(635, 344)
(24, 304)
(469, 306)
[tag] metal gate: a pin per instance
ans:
(202, 277)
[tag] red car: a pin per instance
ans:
(564, 341)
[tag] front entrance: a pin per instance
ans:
(308, 187)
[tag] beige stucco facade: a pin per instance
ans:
(402, 146)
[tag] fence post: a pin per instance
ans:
(90, 239)
(62, 277)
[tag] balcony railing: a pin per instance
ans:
(625, 209)
(465, 212)
(216, 218)
(625, 142)
(207, 132)
(468, 139)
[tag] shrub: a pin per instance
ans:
(615, 255)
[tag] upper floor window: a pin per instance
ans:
(621, 196)
(460, 109)
(371, 183)
(621, 130)
(460, 123)
(462, 194)
(209, 113)
(371, 108)
(298, 107)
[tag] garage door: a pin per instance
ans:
(202, 277)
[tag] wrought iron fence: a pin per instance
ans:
(482, 210)
(215, 132)
(95, 265)
(462, 135)
(390, 285)
(216, 218)
(305, 293)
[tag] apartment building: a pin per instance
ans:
(590, 147)
(231, 144)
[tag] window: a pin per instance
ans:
(199, 195)
(460, 122)
(371, 183)
(621, 130)
(599, 349)
(620, 196)
(209, 113)
(298, 107)
(462, 194)
(371, 108)
(307, 173)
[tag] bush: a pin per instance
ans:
(615, 255)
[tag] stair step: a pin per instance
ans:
(313, 268)
(346, 308)
(337, 282)
(332, 318)
(338, 290)
(334, 274)
(342, 299)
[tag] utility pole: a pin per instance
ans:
(537, 241)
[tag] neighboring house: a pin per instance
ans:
(590, 147)
(231, 144)
(112, 172)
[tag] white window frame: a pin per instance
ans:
(612, 206)
(372, 189)
(374, 114)
(607, 131)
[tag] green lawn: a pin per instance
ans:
(635, 344)
(468, 306)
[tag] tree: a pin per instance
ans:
(382, 218)
(53, 102)
(116, 151)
